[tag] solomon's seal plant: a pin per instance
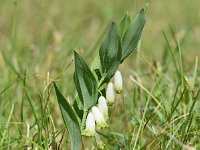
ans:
(89, 112)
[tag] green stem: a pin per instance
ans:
(83, 120)
(101, 81)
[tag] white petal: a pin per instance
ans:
(90, 125)
(110, 94)
(118, 82)
(98, 116)
(103, 107)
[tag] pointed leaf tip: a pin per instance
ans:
(146, 7)
(133, 34)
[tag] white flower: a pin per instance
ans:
(98, 116)
(118, 82)
(90, 125)
(110, 94)
(103, 107)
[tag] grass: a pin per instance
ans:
(159, 108)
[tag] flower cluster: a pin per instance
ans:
(99, 114)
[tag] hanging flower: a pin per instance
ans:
(98, 116)
(110, 94)
(103, 107)
(90, 125)
(118, 82)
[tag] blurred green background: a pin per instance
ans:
(29, 28)
(40, 35)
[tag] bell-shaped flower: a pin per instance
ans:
(118, 82)
(99, 118)
(103, 107)
(110, 94)
(90, 125)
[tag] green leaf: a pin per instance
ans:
(96, 64)
(124, 24)
(110, 52)
(96, 68)
(78, 107)
(78, 88)
(85, 83)
(70, 121)
(133, 34)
